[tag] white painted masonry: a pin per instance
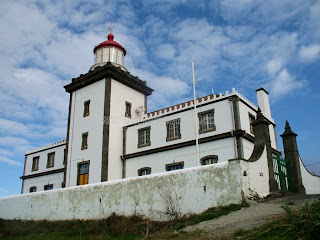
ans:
(193, 189)
(93, 124)
(255, 176)
(310, 182)
(32, 178)
(120, 94)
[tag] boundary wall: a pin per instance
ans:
(191, 190)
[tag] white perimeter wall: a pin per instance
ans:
(255, 176)
(93, 124)
(310, 182)
(194, 190)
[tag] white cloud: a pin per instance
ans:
(12, 127)
(274, 66)
(284, 83)
(5, 152)
(165, 51)
(309, 53)
(13, 141)
(10, 161)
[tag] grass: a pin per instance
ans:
(299, 223)
(211, 213)
(112, 228)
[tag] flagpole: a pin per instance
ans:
(195, 115)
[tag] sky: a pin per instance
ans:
(246, 44)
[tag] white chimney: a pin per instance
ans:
(263, 102)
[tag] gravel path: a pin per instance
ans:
(257, 214)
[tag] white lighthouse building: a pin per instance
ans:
(111, 136)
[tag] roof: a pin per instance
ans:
(110, 43)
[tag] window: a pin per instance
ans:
(174, 166)
(50, 162)
(128, 110)
(48, 187)
(84, 141)
(144, 137)
(83, 173)
(206, 121)
(35, 163)
(33, 189)
(209, 160)
(251, 121)
(86, 108)
(144, 171)
(173, 129)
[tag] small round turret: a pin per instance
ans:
(109, 51)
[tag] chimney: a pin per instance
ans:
(263, 102)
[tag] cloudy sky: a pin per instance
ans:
(246, 44)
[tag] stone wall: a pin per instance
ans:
(191, 190)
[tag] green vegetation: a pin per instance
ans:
(112, 228)
(211, 213)
(299, 223)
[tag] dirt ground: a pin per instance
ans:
(257, 214)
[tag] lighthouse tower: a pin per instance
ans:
(109, 51)
(102, 102)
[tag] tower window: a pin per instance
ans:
(128, 110)
(251, 121)
(33, 189)
(83, 173)
(48, 187)
(50, 162)
(209, 160)
(86, 108)
(173, 129)
(144, 137)
(144, 171)
(84, 141)
(35, 163)
(206, 121)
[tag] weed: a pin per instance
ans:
(239, 232)
(304, 221)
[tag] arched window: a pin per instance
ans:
(33, 189)
(144, 171)
(211, 159)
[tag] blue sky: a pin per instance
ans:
(246, 44)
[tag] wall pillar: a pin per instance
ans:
(261, 141)
(291, 152)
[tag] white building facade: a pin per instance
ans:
(111, 136)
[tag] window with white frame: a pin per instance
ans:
(173, 129)
(33, 189)
(144, 137)
(206, 121)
